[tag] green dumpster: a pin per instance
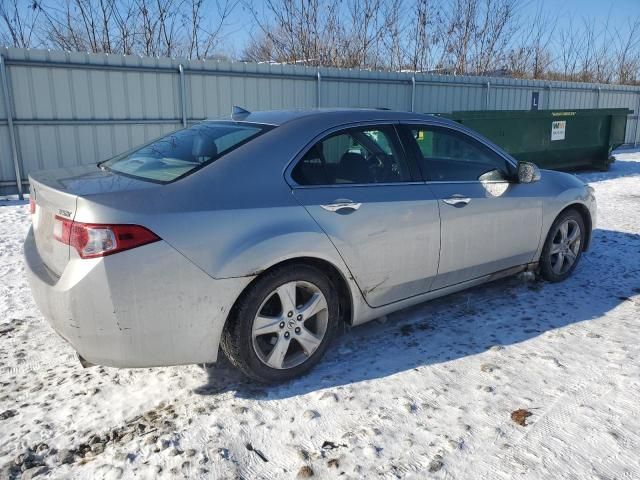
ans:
(555, 139)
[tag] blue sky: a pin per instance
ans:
(596, 8)
(618, 11)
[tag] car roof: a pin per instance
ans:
(330, 116)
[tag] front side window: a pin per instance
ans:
(445, 155)
(355, 156)
(184, 151)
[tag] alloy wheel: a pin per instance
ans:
(565, 246)
(290, 325)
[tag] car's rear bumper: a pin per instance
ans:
(149, 306)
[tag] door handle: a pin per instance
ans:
(341, 205)
(457, 200)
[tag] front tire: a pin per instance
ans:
(563, 246)
(282, 324)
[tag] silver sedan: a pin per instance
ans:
(262, 233)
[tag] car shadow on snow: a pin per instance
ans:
(503, 313)
(619, 168)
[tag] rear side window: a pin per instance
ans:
(446, 155)
(354, 156)
(184, 151)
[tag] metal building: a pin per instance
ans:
(61, 109)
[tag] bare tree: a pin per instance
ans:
(191, 28)
(458, 36)
(495, 29)
(322, 32)
(531, 55)
(587, 53)
(293, 31)
(363, 33)
(460, 25)
(627, 55)
(422, 38)
(569, 52)
(602, 59)
(19, 22)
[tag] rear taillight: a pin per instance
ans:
(62, 229)
(32, 204)
(95, 240)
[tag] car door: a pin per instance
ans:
(489, 222)
(358, 186)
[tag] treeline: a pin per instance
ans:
(472, 37)
(166, 28)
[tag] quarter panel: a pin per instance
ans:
(144, 307)
(244, 242)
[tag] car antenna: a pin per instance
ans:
(238, 113)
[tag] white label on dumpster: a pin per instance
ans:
(557, 130)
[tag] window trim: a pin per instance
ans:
(264, 128)
(414, 171)
(404, 131)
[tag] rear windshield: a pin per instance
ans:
(184, 151)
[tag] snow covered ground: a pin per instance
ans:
(426, 393)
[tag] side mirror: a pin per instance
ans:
(528, 172)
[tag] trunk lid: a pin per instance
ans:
(56, 194)
(49, 204)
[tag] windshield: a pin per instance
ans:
(184, 151)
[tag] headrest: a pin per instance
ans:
(203, 146)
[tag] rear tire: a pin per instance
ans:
(282, 325)
(563, 247)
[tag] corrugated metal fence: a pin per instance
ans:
(71, 108)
